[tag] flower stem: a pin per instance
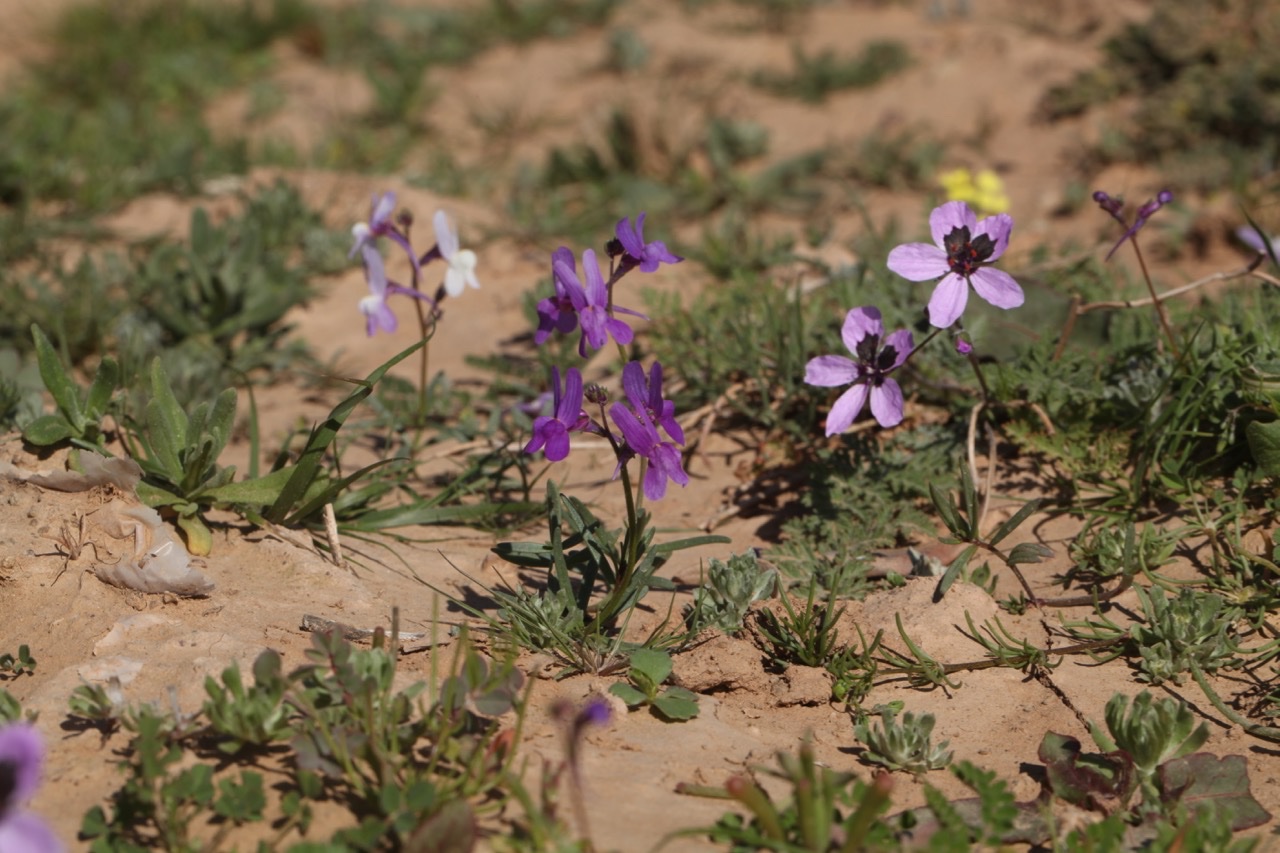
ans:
(1155, 300)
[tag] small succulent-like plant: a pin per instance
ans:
(1191, 630)
(1151, 733)
(730, 590)
(905, 745)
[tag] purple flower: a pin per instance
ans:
(21, 755)
(556, 313)
(374, 307)
(1249, 236)
(462, 262)
(963, 252)
(642, 438)
(1113, 205)
(591, 303)
(648, 396)
(567, 416)
(380, 225)
(647, 255)
(878, 356)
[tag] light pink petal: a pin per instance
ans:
(829, 371)
(383, 206)
(446, 237)
(22, 748)
(858, 324)
(948, 217)
(375, 271)
(997, 287)
(902, 343)
(998, 228)
(846, 409)
(28, 834)
(919, 261)
(886, 404)
(948, 301)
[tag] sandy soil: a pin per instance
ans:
(974, 76)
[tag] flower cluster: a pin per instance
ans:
(637, 422)
(588, 301)
(984, 191)
(636, 427)
(961, 257)
(461, 263)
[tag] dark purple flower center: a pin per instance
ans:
(966, 255)
(876, 362)
(8, 784)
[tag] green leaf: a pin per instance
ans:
(1012, 524)
(691, 542)
(655, 664)
(628, 694)
(104, 385)
(324, 434)
(47, 430)
(166, 424)
(1029, 552)
(259, 492)
(677, 704)
(953, 571)
(65, 393)
(1264, 444)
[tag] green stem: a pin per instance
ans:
(1264, 732)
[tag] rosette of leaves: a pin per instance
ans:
(731, 588)
(905, 745)
(179, 456)
(649, 668)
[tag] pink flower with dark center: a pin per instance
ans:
(868, 376)
(962, 254)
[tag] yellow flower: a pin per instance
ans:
(983, 192)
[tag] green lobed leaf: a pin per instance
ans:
(104, 385)
(166, 424)
(654, 663)
(65, 393)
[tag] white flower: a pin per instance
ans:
(462, 262)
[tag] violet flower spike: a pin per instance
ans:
(591, 303)
(567, 416)
(648, 396)
(21, 757)
(556, 313)
(877, 357)
(962, 255)
(647, 255)
(380, 225)
(462, 262)
(1145, 212)
(642, 438)
(378, 314)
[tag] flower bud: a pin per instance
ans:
(596, 394)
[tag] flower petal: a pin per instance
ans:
(886, 403)
(630, 237)
(374, 270)
(597, 293)
(22, 748)
(455, 283)
(846, 409)
(28, 833)
(382, 208)
(446, 236)
(829, 371)
(858, 324)
(568, 406)
(998, 228)
(997, 287)
(918, 261)
(902, 344)
(949, 216)
(639, 438)
(633, 384)
(948, 301)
